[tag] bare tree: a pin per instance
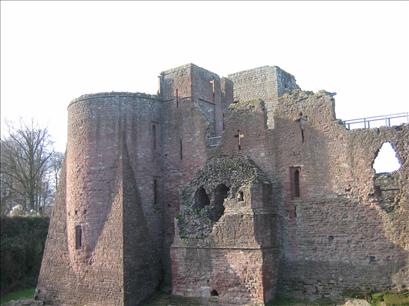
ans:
(26, 163)
(55, 167)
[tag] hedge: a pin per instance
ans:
(21, 251)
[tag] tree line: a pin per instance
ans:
(29, 170)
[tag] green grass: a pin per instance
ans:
(18, 295)
(396, 298)
(376, 298)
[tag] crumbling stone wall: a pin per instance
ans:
(189, 116)
(322, 256)
(231, 258)
(287, 201)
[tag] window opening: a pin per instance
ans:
(201, 199)
(240, 196)
(386, 160)
(213, 89)
(177, 97)
(220, 193)
(180, 149)
(214, 293)
(78, 237)
(239, 136)
(295, 182)
(155, 191)
(387, 178)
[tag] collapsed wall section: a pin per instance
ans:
(224, 248)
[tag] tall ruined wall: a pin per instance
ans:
(107, 205)
(334, 235)
(190, 114)
(322, 217)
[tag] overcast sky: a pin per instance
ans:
(53, 52)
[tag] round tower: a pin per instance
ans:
(113, 178)
(92, 157)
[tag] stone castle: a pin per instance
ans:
(234, 189)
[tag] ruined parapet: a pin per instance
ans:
(266, 83)
(226, 222)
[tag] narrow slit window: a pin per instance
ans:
(177, 97)
(155, 191)
(154, 136)
(78, 237)
(180, 149)
(295, 182)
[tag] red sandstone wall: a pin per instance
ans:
(111, 166)
(234, 256)
(335, 237)
(184, 135)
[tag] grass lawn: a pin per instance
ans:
(17, 295)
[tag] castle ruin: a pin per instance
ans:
(234, 189)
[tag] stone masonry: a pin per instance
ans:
(232, 189)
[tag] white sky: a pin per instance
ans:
(53, 52)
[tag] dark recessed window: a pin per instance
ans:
(180, 149)
(155, 191)
(295, 182)
(240, 196)
(78, 237)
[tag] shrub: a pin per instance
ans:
(21, 251)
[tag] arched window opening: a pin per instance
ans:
(201, 199)
(295, 182)
(387, 178)
(220, 193)
(78, 237)
(214, 293)
(240, 196)
(386, 160)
